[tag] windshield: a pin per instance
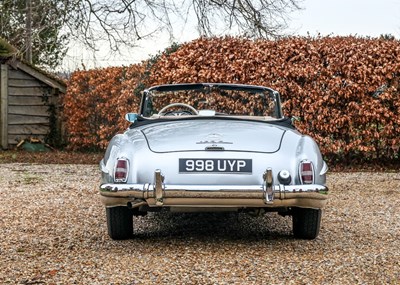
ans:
(221, 99)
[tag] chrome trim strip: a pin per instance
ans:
(145, 190)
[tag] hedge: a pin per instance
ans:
(343, 90)
(95, 104)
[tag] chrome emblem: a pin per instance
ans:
(213, 139)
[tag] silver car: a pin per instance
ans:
(212, 147)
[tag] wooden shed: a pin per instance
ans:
(29, 102)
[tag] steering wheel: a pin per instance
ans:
(193, 111)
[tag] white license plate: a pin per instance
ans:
(212, 165)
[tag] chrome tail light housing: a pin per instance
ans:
(306, 172)
(121, 170)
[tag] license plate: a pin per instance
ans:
(211, 165)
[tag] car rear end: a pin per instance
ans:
(218, 172)
(212, 147)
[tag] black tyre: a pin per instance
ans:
(119, 223)
(306, 223)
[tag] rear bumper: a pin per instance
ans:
(158, 194)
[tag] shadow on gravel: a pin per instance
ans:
(212, 226)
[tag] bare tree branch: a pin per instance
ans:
(122, 23)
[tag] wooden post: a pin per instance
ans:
(4, 106)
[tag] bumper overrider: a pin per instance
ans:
(159, 194)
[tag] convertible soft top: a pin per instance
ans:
(199, 86)
(142, 121)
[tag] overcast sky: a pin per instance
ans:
(348, 17)
(327, 17)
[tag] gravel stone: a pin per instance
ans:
(53, 231)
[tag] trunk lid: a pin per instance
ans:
(200, 135)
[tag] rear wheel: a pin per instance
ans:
(306, 223)
(119, 222)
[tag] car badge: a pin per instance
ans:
(213, 139)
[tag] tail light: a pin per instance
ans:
(121, 170)
(306, 170)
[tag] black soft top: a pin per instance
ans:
(199, 86)
(142, 121)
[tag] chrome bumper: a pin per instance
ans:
(158, 194)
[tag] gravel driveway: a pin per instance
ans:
(53, 231)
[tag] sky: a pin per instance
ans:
(348, 17)
(325, 17)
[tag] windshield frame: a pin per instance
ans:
(159, 89)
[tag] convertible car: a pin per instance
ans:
(212, 147)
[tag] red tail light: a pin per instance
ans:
(306, 172)
(121, 170)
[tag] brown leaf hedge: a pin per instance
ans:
(96, 102)
(343, 90)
